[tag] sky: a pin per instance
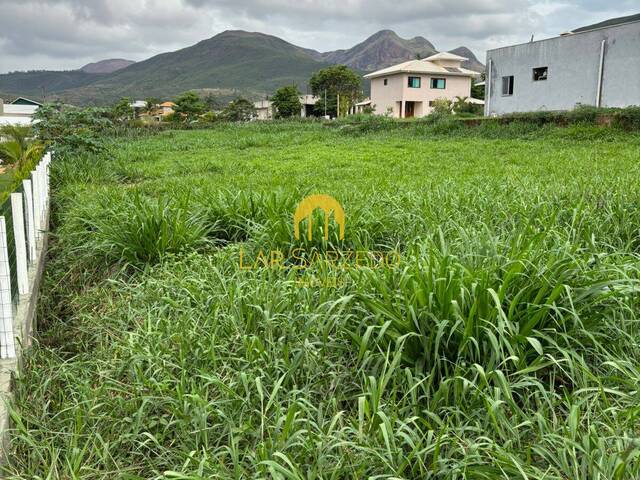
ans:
(67, 34)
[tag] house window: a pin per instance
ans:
(385, 82)
(414, 82)
(540, 73)
(439, 83)
(507, 85)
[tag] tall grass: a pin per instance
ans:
(502, 345)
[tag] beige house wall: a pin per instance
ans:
(397, 91)
(385, 97)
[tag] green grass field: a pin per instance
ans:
(503, 344)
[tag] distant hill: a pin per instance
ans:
(251, 63)
(380, 50)
(608, 23)
(39, 84)
(228, 64)
(107, 66)
(473, 63)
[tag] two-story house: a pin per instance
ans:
(410, 88)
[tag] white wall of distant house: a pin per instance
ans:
(17, 114)
(11, 120)
(10, 109)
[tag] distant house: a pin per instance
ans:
(26, 101)
(18, 113)
(265, 111)
(597, 65)
(410, 88)
(166, 108)
(361, 106)
(138, 105)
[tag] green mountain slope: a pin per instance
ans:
(37, 84)
(251, 63)
(107, 66)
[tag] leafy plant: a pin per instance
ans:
(67, 130)
(123, 110)
(462, 105)
(139, 231)
(442, 106)
(286, 102)
(331, 83)
(19, 148)
(189, 105)
(239, 110)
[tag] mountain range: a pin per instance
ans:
(231, 63)
(107, 66)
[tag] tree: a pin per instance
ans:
(335, 81)
(189, 104)
(123, 110)
(477, 91)
(212, 102)
(19, 150)
(463, 105)
(152, 103)
(239, 110)
(286, 102)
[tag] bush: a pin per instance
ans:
(462, 106)
(189, 105)
(139, 231)
(442, 106)
(627, 118)
(66, 130)
(286, 102)
(239, 110)
(369, 109)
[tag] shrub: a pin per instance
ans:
(441, 106)
(70, 130)
(139, 230)
(369, 109)
(286, 102)
(462, 105)
(189, 105)
(627, 118)
(239, 110)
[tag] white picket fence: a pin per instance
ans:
(29, 217)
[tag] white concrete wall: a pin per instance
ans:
(574, 64)
(18, 110)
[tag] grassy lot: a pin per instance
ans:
(504, 344)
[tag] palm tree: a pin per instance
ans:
(461, 100)
(19, 150)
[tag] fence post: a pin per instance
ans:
(35, 182)
(43, 197)
(48, 181)
(17, 215)
(31, 230)
(8, 344)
